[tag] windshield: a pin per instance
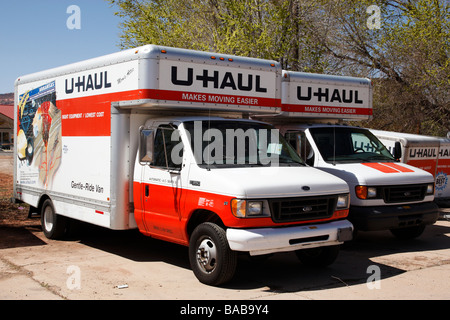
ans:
(343, 145)
(222, 143)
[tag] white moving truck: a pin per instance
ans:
(442, 183)
(384, 194)
(431, 154)
(138, 139)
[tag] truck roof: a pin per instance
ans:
(325, 78)
(305, 124)
(151, 51)
(408, 139)
(181, 118)
(156, 77)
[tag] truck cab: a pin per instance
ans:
(233, 179)
(385, 194)
(431, 154)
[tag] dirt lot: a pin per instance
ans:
(10, 214)
(95, 263)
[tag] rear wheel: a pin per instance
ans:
(318, 257)
(53, 225)
(211, 259)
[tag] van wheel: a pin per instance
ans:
(318, 257)
(211, 259)
(53, 225)
(408, 233)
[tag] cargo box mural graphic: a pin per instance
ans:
(39, 135)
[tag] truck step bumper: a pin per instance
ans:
(393, 217)
(270, 240)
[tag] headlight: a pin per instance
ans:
(342, 202)
(254, 208)
(247, 209)
(430, 188)
(364, 192)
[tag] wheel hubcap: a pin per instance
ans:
(48, 219)
(207, 255)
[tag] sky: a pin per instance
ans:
(35, 36)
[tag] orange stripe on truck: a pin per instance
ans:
(387, 167)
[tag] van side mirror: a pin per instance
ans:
(397, 152)
(146, 146)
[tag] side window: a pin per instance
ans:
(297, 139)
(168, 148)
(362, 143)
(307, 151)
(291, 138)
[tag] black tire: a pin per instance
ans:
(211, 259)
(53, 225)
(408, 233)
(318, 257)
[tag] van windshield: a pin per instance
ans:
(231, 143)
(346, 145)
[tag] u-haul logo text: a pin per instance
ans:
(215, 79)
(444, 152)
(85, 83)
(326, 95)
(423, 153)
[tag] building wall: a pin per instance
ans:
(6, 132)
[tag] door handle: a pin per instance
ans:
(147, 192)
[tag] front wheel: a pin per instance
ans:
(211, 259)
(53, 225)
(318, 257)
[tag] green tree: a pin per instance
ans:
(268, 29)
(166, 22)
(407, 56)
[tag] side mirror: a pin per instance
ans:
(146, 146)
(397, 152)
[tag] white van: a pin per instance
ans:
(385, 194)
(431, 154)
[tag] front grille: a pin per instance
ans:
(406, 193)
(301, 209)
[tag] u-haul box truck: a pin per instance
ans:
(139, 139)
(384, 194)
(442, 177)
(431, 154)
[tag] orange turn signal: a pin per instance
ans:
(361, 192)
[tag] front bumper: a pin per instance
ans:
(393, 217)
(270, 240)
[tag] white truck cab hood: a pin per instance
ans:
(252, 182)
(358, 168)
(378, 173)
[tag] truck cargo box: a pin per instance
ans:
(73, 122)
(318, 96)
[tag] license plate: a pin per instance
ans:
(345, 234)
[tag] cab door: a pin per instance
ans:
(162, 183)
